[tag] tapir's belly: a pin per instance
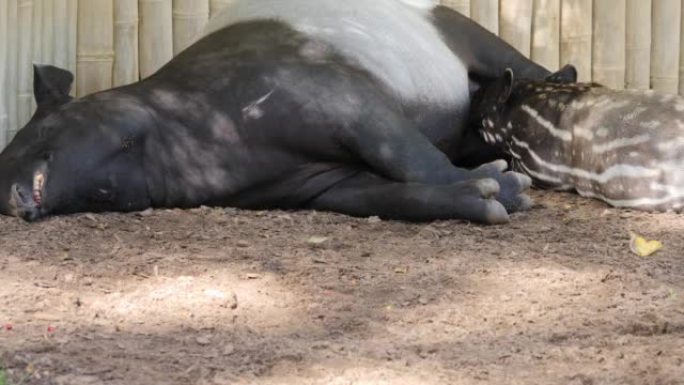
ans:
(626, 149)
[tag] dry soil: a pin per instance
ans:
(223, 296)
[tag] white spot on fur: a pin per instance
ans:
(620, 143)
(615, 171)
(636, 203)
(253, 110)
(671, 144)
(634, 114)
(555, 132)
(651, 125)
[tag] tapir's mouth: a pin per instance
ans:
(38, 187)
(27, 203)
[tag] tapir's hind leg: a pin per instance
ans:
(392, 147)
(370, 195)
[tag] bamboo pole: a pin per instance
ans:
(60, 41)
(576, 32)
(486, 13)
(48, 31)
(95, 46)
(126, 68)
(515, 25)
(462, 6)
(638, 44)
(681, 52)
(546, 33)
(189, 19)
(609, 51)
(72, 38)
(12, 66)
(37, 37)
(4, 120)
(216, 5)
(25, 69)
(37, 31)
(665, 49)
(156, 35)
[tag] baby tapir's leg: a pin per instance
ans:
(371, 195)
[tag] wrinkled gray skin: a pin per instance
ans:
(625, 148)
(350, 106)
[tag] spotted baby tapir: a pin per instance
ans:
(623, 147)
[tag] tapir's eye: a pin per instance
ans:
(47, 156)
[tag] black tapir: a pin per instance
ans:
(623, 147)
(352, 106)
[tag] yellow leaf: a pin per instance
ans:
(643, 247)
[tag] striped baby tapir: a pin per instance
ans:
(623, 147)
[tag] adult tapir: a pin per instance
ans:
(352, 106)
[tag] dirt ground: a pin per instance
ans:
(222, 296)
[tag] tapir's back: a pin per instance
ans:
(393, 40)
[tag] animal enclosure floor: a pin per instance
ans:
(222, 296)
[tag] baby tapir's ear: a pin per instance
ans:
(507, 85)
(51, 85)
(567, 74)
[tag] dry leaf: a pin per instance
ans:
(643, 247)
(315, 240)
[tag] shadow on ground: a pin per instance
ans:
(214, 296)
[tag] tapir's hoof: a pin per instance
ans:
(512, 185)
(477, 203)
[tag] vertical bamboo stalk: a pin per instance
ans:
(216, 5)
(608, 52)
(37, 31)
(48, 31)
(515, 25)
(126, 68)
(576, 35)
(638, 45)
(25, 89)
(462, 6)
(546, 33)
(665, 50)
(12, 66)
(681, 52)
(72, 38)
(95, 46)
(156, 35)
(486, 13)
(60, 40)
(4, 14)
(37, 36)
(189, 19)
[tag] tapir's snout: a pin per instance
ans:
(23, 203)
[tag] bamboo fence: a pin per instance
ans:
(621, 43)
(664, 51)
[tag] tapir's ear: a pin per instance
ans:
(508, 83)
(51, 85)
(567, 74)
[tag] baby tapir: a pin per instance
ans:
(623, 147)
